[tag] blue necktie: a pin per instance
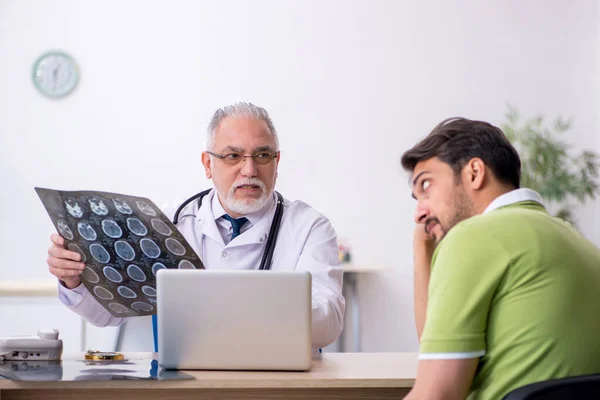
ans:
(236, 224)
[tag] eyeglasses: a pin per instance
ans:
(261, 158)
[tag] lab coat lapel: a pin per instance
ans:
(258, 233)
(208, 225)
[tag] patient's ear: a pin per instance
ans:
(475, 173)
(206, 163)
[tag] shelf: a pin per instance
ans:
(365, 268)
(28, 288)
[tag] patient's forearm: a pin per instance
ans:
(423, 256)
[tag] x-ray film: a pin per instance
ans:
(123, 241)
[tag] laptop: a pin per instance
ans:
(234, 319)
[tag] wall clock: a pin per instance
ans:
(55, 74)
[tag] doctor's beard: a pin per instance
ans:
(250, 205)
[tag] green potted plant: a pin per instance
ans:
(548, 164)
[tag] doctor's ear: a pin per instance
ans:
(207, 165)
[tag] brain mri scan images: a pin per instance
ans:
(86, 231)
(77, 249)
(156, 267)
(124, 250)
(149, 291)
(160, 227)
(141, 307)
(126, 292)
(118, 308)
(64, 229)
(136, 226)
(111, 229)
(103, 293)
(112, 274)
(99, 253)
(89, 275)
(175, 247)
(98, 207)
(136, 273)
(185, 264)
(122, 207)
(54, 204)
(73, 208)
(149, 248)
(145, 208)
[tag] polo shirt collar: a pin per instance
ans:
(514, 196)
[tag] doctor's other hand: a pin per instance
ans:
(64, 264)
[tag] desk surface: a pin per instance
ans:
(329, 370)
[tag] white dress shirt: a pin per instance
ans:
(306, 242)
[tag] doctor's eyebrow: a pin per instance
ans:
(234, 149)
(263, 148)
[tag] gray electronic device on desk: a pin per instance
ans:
(234, 319)
(46, 346)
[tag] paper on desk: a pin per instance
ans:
(123, 240)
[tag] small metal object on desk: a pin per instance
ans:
(96, 355)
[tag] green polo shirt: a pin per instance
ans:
(519, 289)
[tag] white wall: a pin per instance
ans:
(350, 86)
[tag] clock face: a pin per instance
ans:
(55, 74)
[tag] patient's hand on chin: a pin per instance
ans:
(422, 240)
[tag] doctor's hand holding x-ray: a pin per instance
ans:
(241, 157)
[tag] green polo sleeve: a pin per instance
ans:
(467, 268)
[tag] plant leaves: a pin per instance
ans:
(547, 163)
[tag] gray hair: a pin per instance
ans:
(238, 110)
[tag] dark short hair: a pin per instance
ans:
(456, 141)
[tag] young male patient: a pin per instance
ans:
(505, 294)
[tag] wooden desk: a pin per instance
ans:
(333, 376)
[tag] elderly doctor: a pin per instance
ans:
(231, 226)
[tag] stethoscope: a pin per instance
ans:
(265, 263)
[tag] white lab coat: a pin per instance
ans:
(306, 242)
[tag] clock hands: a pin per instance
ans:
(54, 76)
